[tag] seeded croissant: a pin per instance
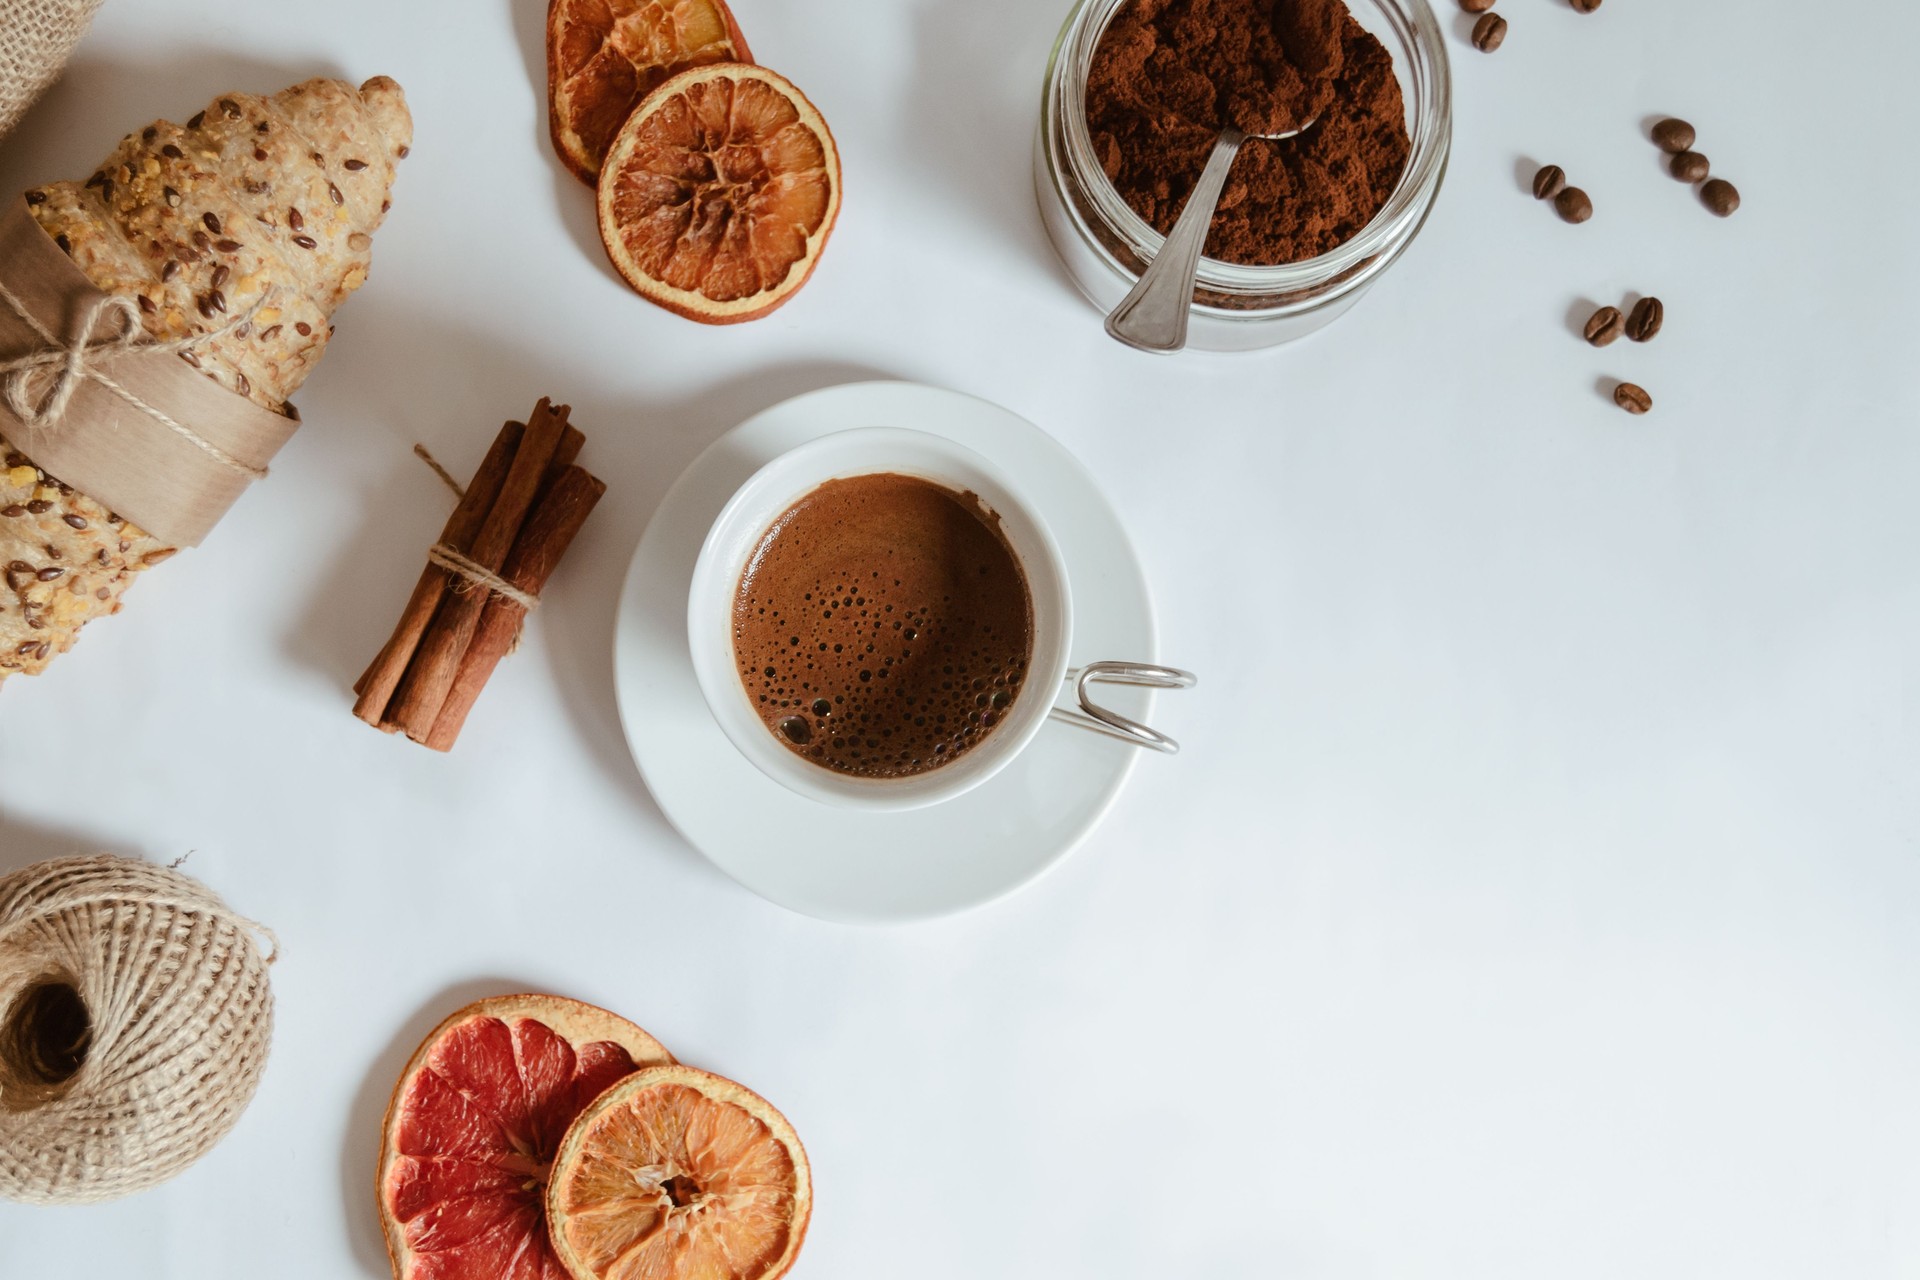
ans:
(272, 198)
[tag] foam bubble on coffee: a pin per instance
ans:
(883, 626)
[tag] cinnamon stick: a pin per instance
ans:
(417, 701)
(550, 529)
(383, 676)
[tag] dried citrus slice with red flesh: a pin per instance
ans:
(676, 1174)
(473, 1127)
(604, 56)
(720, 192)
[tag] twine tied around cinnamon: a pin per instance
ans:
(470, 572)
(75, 362)
(135, 1016)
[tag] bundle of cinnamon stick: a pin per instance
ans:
(513, 523)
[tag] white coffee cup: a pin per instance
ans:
(775, 488)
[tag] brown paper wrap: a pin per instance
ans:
(118, 454)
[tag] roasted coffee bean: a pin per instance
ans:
(1673, 135)
(1645, 319)
(1549, 182)
(1633, 398)
(1605, 326)
(1476, 6)
(1721, 196)
(1689, 166)
(1573, 205)
(1489, 32)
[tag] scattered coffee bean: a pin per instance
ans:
(1689, 166)
(1645, 319)
(1673, 135)
(1633, 398)
(1549, 182)
(1605, 326)
(1721, 196)
(1476, 6)
(1489, 32)
(1573, 205)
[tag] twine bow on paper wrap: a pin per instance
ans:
(73, 363)
(36, 39)
(135, 1016)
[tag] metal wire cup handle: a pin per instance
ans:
(1097, 718)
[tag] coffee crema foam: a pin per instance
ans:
(883, 625)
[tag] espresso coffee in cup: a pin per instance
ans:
(883, 625)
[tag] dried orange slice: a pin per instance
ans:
(473, 1126)
(675, 1174)
(720, 193)
(604, 56)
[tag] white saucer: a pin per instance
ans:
(878, 867)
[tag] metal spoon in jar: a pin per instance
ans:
(1153, 317)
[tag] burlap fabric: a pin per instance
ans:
(134, 1020)
(36, 39)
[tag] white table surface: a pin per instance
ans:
(1538, 894)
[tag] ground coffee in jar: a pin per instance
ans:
(1168, 75)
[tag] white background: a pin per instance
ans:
(1538, 895)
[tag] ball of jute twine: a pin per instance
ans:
(134, 1020)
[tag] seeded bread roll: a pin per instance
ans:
(255, 197)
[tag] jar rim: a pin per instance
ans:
(1426, 80)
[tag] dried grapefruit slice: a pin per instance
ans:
(676, 1174)
(720, 193)
(604, 56)
(473, 1127)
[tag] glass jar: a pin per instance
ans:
(1106, 245)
